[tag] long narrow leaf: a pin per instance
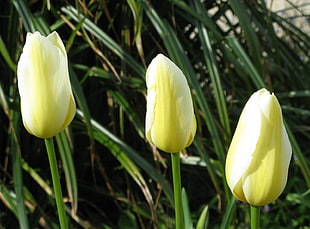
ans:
(9, 199)
(203, 220)
(69, 169)
(4, 52)
(130, 113)
(81, 100)
(106, 137)
(188, 224)
(229, 213)
(102, 36)
(25, 14)
(247, 63)
(301, 160)
(17, 174)
(214, 74)
(240, 10)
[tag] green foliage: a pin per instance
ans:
(111, 177)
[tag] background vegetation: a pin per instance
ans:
(111, 177)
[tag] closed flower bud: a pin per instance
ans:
(260, 152)
(170, 119)
(47, 102)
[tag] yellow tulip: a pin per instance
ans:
(260, 152)
(47, 102)
(170, 119)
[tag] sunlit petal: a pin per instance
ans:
(47, 102)
(170, 119)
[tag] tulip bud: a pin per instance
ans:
(170, 119)
(260, 152)
(47, 102)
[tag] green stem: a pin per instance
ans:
(255, 215)
(176, 175)
(49, 143)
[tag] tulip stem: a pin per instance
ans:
(176, 175)
(49, 143)
(255, 215)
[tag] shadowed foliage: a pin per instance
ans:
(111, 176)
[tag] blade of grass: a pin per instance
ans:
(229, 213)
(6, 55)
(31, 23)
(82, 104)
(210, 168)
(246, 24)
(206, 21)
(203, 220)
(69, 169)
(294, 94)
(137, 12)
(107, 138)
(17, 173)
(104, 38)
(4, 102)
(247, 63)
(188, 223)
(120, 154)
(48, 190)
(129, 111)
(25, 14)
(214, 73)
(9, 199)
(289, 27)
(301, 160)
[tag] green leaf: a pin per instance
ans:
(4, 52)
(241, 12)
(129, 111)
(246, 62)
(127, 220)
(17, 173)
(214, 73)
(9, 198)
(186, 211)
(107, 40)
(230, 209)
(24, 12)
(69, 169)
(203, 220)
(125, 154)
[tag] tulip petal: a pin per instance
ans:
(244, 142)
(260, 152)
(269, 170)
(170, 119)
(47, 102)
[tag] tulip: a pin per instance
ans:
(260, 152)
(47, 102)
(170, 119)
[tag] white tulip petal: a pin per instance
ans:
(260, 152)
(47, 102)
(170, 119)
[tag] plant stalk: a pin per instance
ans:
(49, 143)
(255, 215)
(176, 175)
